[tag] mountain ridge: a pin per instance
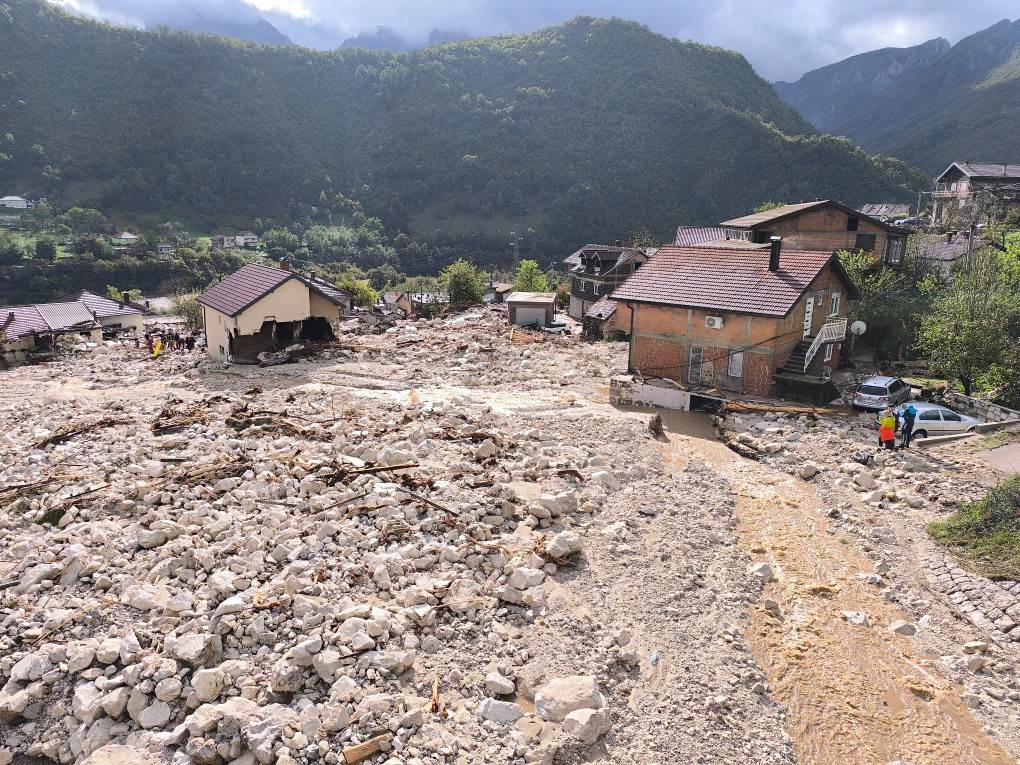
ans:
(962, 104)
(546, 132)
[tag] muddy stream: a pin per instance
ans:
(852, 694)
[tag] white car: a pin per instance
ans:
(936, 420)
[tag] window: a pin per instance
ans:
(852, 224)
(594, 289)
(836, 299)
(694, 364)
(736, 367)
(931, 414)
(949, 416)
(894, 251)
(828, 351)
(866, 242)
(952, 186)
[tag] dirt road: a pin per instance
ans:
(858, 694)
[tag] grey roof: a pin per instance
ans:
(943, 249)
(104, 307)
(788, 211)
(987, 169)
(329, 291)
(688, 236)
(20, 320)
(602, 310)
(886, 209)
(65, 316)
(243, 288)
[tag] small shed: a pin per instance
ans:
(531, 308)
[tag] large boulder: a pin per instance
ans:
(118, 754)
(563, 695)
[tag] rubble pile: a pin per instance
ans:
(246, 565)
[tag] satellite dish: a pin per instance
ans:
(858, 327)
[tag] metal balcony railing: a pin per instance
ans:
(831, 332)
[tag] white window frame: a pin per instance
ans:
(735, 367)
(828, 351)
(835, 303)
(694, 370)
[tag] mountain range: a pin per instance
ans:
(579, 132)
(929, 104)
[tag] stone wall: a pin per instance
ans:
(983, 410)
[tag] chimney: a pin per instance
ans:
(776, 246)
(284, 264)
(619, 243)
(949, 237)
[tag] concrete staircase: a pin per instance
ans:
(795, 363)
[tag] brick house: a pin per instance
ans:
(737, 319)
(823, 225)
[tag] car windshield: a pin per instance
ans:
(872, 390)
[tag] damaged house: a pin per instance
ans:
(260, 308)
(34, 328)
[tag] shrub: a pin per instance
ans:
(987, 532)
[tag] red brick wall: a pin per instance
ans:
(825, 229)
(658, 357)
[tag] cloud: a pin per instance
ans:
(781, 41)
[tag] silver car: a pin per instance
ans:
(936, 420)
(876, 393)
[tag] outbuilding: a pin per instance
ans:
(114, 314)
(531, 308)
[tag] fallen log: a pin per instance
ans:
(358, 752)
(747, 406)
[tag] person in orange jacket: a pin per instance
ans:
(887, 430)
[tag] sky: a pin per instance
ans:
(781, 38)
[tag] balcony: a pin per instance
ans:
(947, 190)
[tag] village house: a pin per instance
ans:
(259, 308)
(12, 208)
(531, 308)
(124, 239)
(964, 187)
(15, 203)
(33, 328)
(822, 225)
(496, 292)
(248, 240)
(600, 322)
(396, 302)
(222, 242)
(113, 314)
(943, 251)
(428, 302)
(886, 211)
(596, 270)
(164, 250)
(754, 322)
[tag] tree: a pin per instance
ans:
(463, 283)
(361, 292)
(96, 246)
(123, 296)
(11, 252)
(643, 238)
(971, 326)
(84, 220)
(768, 204)
(188, 307)
(530, 278)
(46, 249)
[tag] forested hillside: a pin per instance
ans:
(580, 132)
(961, 104)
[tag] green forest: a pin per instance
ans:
(582, 132)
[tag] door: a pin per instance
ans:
(930, 422)
(809, 312)
(951, 422)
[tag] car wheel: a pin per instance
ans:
(920, 434)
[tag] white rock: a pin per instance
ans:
(563, 695)
(208, 683)
(501, 712)
(156, 715)
(865, 481)
(761, 570)
(563, 545)
(808, 470)
(169, 689)
(523, 578)
(108, 651)
(118, 754)
(486, 449)
(499, 684)
(858, 618)
(587, 724)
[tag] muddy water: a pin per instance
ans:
(852, 694)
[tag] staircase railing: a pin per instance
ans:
(831, 332)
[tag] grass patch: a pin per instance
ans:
(986, 533)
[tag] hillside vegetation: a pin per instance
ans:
(580, 132)
(963, 103)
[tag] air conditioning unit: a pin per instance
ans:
(713, 322)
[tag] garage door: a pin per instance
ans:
(527, 314)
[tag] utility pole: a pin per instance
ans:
(515, 250)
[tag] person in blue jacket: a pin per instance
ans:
(908, 413)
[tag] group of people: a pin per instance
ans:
(890, 420)
(168, 341)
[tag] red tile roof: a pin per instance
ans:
(243, 288)
(724, 279)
